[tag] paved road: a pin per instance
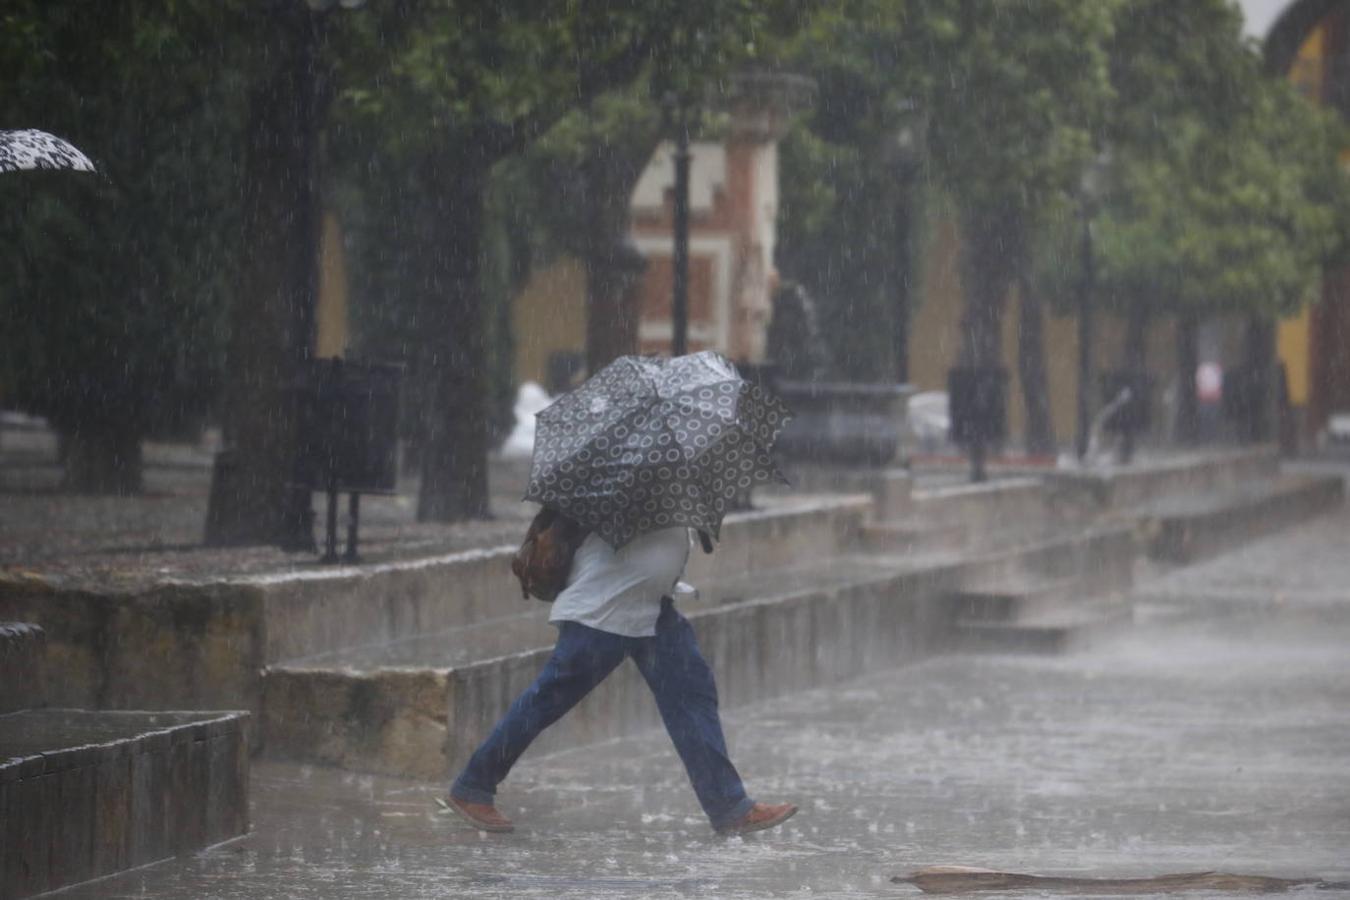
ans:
(1214, 735)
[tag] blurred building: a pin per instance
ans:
(1308, 41)
(733, 206)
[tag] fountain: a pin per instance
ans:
(837, 423)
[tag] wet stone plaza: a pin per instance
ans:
(1210, 735)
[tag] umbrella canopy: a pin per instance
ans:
(29, 148)
(649, 443)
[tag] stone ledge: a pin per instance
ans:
(1118, 487)
(23, 666)
(86, 794)
(112, 647)
(764, 636)
(1186, 528)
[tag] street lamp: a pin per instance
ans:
(676, 115)
(312, 91)
(1090, 191)
(908, 152)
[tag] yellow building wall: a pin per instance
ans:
(1292, 346)
(548, 316)
(935, 339)
(1293, 343)
(935, 328)
(332, 332)
(935, 344)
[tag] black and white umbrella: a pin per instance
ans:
(28, 148)
(649, 443)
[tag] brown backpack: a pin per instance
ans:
(544, 559)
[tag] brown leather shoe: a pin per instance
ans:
(483, 816)
(760, 817)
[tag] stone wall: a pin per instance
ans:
(23, 666)
(85, 794)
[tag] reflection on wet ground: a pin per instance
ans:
(1212, 736)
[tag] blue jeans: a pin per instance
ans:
(685, 694)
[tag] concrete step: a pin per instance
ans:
(218, 636)
(416, 707)
(902, 537)
(1017, 599)
(86, 794)
(1188, 527)
(23, 666)
(985, 506)
(1145, 480)
(1054, 631)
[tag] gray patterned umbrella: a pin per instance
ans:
(648, 443)
(29, 148)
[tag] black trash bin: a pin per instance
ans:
(347, 439)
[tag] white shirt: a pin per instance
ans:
(620, 591)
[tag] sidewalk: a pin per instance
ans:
(1212, 736)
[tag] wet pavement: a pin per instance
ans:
(1213, 735)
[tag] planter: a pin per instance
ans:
(843, 423)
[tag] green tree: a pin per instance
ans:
(468, 86)
(1224, 191)
(112, 286)
(1020, 97)
(852, 176)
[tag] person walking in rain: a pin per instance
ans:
(630, 462)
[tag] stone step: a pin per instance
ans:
(1114, 487)
(218, 636)
(1017, 599)
(985, 506)
(1055, 631)
(913, 538)
(1051, 605)
(86, 794)
(1188, 527)
(414, 708)
(23, 666)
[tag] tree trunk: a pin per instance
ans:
(988, 266)
(1136, 339)
(1188, 359)
(613, 265)
(1260, 360)
(454, 360)
(102, 458)
(903, 277)
(252, 501)
(987, 271)
(1031, 369)
(1134, 364)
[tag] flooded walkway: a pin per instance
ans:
(1211, 736)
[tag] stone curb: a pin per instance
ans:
(101, 792)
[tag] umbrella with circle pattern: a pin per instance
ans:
(28, 148)
(649, 443)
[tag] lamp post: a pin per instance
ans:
(908, 152)
(312, 95)
(1090, 192)
(677, 120)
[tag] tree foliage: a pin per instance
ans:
(852, 169)
(443, 92)
(113, 287)
(1222, 193)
